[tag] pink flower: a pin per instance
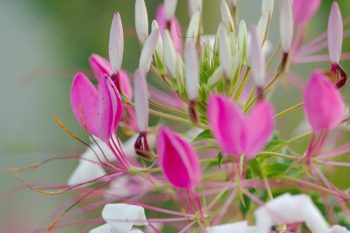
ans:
(324, 106)
(98, 111)
(238, 134)
(304, 10)
(172, 25)
(101, 67)
(178, 160)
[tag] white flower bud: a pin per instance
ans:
(225, 53)
(179, 66)
(267, 7)
(148, 50)
(335, 33)
(192, 70)
(141, 20)
(116, 43)
(257, 59)
(262, 27)
(170, 8)
(226, 16)
(141, 100)
(286, 25)
(195, 5)
(159, 46)
(193, 28)
(169, 53)
(242, 41)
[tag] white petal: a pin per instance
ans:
(335, 33)
(169, 53)
(148, 50)
(286, 25)
(226, 16)
(141, 100)
(90, 155)
(192, 70)
(257, 59)
(159, 46)
(242, 40)
(116, 43)
(267, 7)
(338, 229)
(85, 172)
(105, 228)
(119, 188)
(193, 28)
(195, 5)
(170, 8)
(122, 217)
(225, 53)
(216, 76)
(179, 66)
(141, 20)
(238, 227)
(135, 231)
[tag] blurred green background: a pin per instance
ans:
(42, 44)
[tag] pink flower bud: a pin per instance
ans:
(335, 33)
(116, 43)
(141, 100)
(304, 10)
(101, 67)
(98, 112)
(178, 160)
(324, 106)
(258, 59)
(238, 134)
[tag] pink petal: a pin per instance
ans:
(100, 66)
(335, 33)
(260, 126)
(110, 109)
(324, 106)
(178, 160)
(125, 85)
(227, 124)
(176, 34)
(304, 10)
(84, 101)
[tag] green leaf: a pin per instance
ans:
(245, 205)
(217, 162)
(204, 135)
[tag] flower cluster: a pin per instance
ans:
(219, 165)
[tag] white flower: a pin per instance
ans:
(169, 53)
(192, 70)
(116, 43)
(238, 227)
(148, 51)
(287, 209)
(338, 229)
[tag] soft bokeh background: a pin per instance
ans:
(42, 44)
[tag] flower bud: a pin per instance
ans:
(304, 11)
(178, 160)
(169, 53)
(242, 41)
(257, 59)
(335, 33)
(216, 76)
(195, 5)
(193, 28)
(267, 7)
(226, 16)
(170, 8)
(141, 20)
(225, 53)
(324, 106)
(159, 46)
(286, 25)
(116, 43)
(148, 50)
(262, 27)
(192, 70)
(141, 100)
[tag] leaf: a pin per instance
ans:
(245, 205)
(216, 162)
(274, 144)
(204, 135)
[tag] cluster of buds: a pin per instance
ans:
(230, 164)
